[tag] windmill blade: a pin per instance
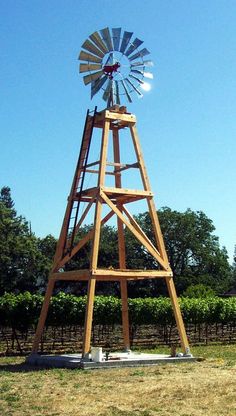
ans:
(137, 71)
(107, 38)
(141, 53)
(125, 41)
(116, 38)
(117, 93)
(84, 56)
(140, 81)
(97, 85)
(135, 44)
(89, 46)
(123, 82)
(134, 87)
(148, 75)
(142, 63)
(92, 77)
(143, 73)
(108, 91)
(96, 38)
(89, 67)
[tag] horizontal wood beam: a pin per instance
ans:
(109, 275)
(125, 191)
(129, 273)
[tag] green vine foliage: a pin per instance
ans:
(21, 312)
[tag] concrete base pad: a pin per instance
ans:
(114, 360)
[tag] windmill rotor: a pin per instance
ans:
(114, 62)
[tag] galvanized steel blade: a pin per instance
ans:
(148, 75)
(117, 93)
(107, 91)
(92, 77)
(123, 82)
(142, 63)
(135, 44)
(143, 73)
(97, 85)
(125, 41)
(140, 81)
(116, 38)
(96, 38)
(141, 53)
(107, 38)
(137, 71)
(134, 87)
(89, 46)
(84, 56)
(89, 67)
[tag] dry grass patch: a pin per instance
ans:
(205, 388)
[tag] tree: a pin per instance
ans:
(22, 263)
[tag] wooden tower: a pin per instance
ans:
(110, 125)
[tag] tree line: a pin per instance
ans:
(194, 252)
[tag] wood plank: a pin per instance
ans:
(88, 318)
(121, 246)
(125, 191)
(130, 118)
(128, 273)
(178, 315)
(95, 245)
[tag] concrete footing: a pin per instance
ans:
(113, 360)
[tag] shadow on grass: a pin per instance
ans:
(22, 368)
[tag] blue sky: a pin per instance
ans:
(187, 122)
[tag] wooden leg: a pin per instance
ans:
(43, 315)
(125, 314)
(121, 246)
(178, 316)
(88, 318)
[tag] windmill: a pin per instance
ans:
(114, 65)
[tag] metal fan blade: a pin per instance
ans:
(135, 44)
(116, 38)
(135, 88)
(143, 73)
(91, 67)
(148, 75)
(117, 94)
(107, 91)
(96, 38)
(137, 71)
(140, 81)
(107, 38)
(125, 41)
(89, 46)
(84, 56)
(143, 63)
(123, 82)
(92, 77)
(97, 85)
(141, 53)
